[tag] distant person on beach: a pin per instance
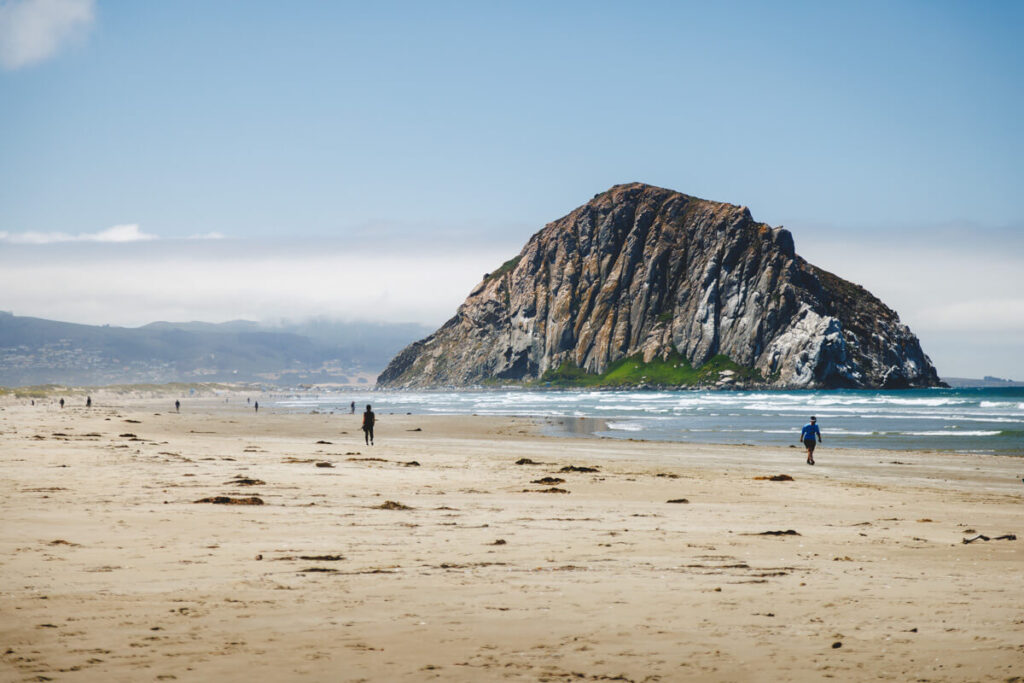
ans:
(257, 406)
(62, 403)
(807, 435)
(88, 401)
(368, 420)
(352, 407)
(177, 406)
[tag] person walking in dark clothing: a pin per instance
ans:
(177, 406)
(352, 407)
(807, 435)
(88, 401)
(368, 420)
(62, 403)
(257, 406)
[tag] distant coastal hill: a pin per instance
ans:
(644, 286)
(38, 351)
(987, 382)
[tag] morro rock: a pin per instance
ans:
(653, 278)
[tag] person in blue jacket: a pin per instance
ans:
(807, 435)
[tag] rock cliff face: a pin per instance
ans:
(641, 271)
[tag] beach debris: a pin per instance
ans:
(677, 500)
(574, 468)
(411, 463)
(775, 477)
(325, 443)
(836, 645)
(246, 481)
(524, 461)
(844, 558)
(134, 422)
(324, 464)
(321, 558)
(290, 460)
(61, 541)
(787, 532)
(553, 489)
(548, 480)
(925, 520)
(392, 505)
(667, 475)
(983, 537)
(366, 459)
(500, 541)
(228, 500)
(259, 557)
(415, 429)
(326, 570)
(127, 435)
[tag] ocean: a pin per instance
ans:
(955, 420)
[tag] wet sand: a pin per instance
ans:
(434, 556)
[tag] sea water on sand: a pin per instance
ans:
(958, 420)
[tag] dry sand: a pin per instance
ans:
(110, 571)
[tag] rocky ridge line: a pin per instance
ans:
(646, 272)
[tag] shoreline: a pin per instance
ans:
(590, 427)
(896, 421)
(112, 571)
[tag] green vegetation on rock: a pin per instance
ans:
(633, 371)
(505, 267)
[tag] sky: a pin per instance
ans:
(219, 160)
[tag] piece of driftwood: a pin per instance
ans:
(983, 537)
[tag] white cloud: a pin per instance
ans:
(988, 314)
(207, 236)
(34, 30)
(117, 233)
(226, 280)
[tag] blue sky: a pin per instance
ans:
(885, 135)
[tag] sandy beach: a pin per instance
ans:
(433, 555)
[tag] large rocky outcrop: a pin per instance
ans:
(645, 271)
